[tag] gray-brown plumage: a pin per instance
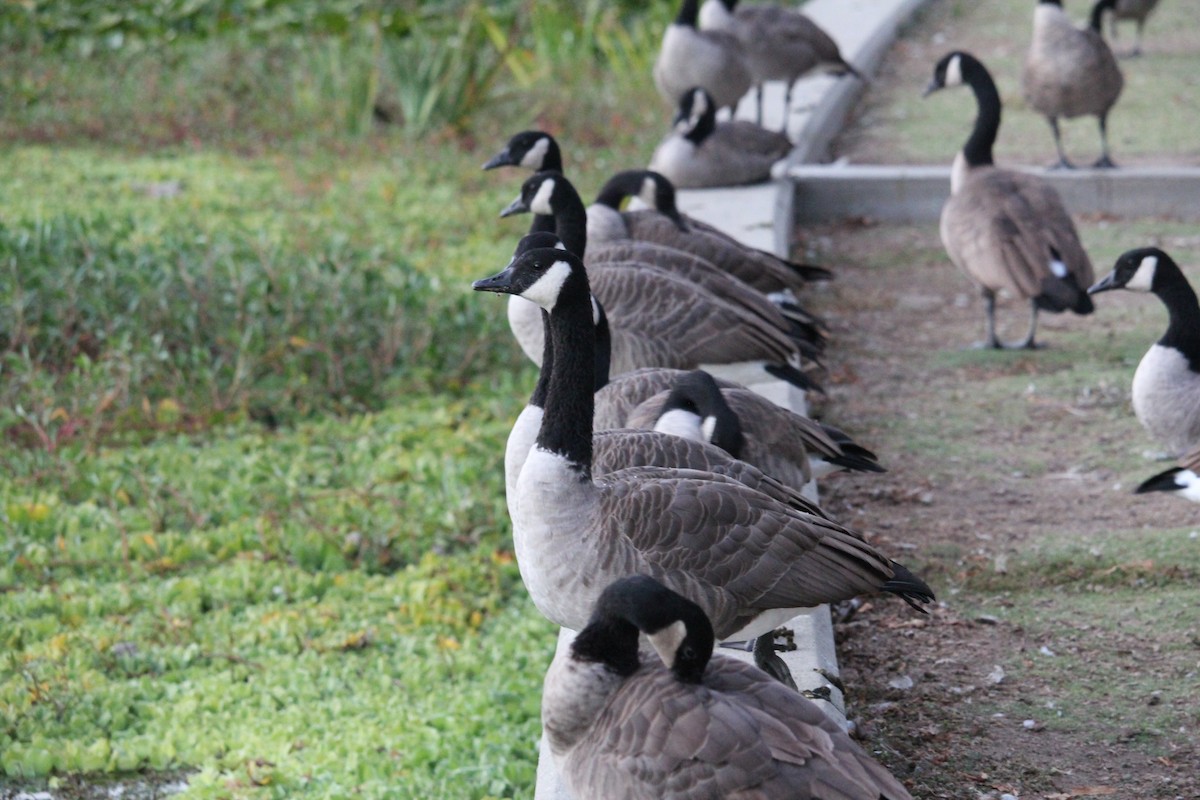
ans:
(780, 442)
(692, 57)
(688, 724)
(781, 44)
(746, 559)
(701, 152)
(1008, 231)
(664, 224)
(1136, 10)
(1071, 72)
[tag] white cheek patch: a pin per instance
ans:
(595, 310)
(699, 107)
(709, 426)
(666, 642)
(954, 72)
(536, 155)
(648, 193)
(1144, 277)
(678, 422)
(545, 289)
(541, 200)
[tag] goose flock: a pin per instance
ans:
(659, 511)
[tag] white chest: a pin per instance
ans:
(1166, 398)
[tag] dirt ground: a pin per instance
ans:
(963, 730)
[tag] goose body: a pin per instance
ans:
(747, 559)
(1166, 384)
(1071, 72)
(1007, 231)
(1136, 10)
(781, 44)
(692, 57)
(686, 723)
(701, 152)
(660, 318)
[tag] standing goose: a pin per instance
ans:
(1166, 385)
(692, 57)
(700, 152)
(664, 224)
(1007, 230)
(658, 318)
(747, 559)
(1182, 480)
(1136, 10)
(696, 725)
(780, 442)
(781, 44)
(1071, 72)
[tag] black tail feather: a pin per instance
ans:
(810, 272)
(786, 372)
(1162, 482)
(908, 587)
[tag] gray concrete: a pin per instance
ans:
(905, 194)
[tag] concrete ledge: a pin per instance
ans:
(917, 193)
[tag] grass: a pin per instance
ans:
(895, 125)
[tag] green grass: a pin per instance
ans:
(899, 127)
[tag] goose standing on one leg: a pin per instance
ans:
(692, 57)
(1007, 230)
(747, 559)
(1071, 72)
(696, 725)
(781, 44)
(1166, 385)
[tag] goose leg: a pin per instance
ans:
(1063, 163)
(759, 116)
(1027, 342)
(1104, 162)
(1137, 42)
(787, 108)
(990, 341)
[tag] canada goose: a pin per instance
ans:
(1136, 10)
(696, 724)
(663, 223)
(783, 444)
(1182, 480)
(1166, 384)
(780, 44)
(700, 152)
(692, 57)
(1071, 72)
(1007, 230)
(746, 558)
(657, 318)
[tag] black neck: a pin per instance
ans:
(1097, 15)
(542, 387)
(688, 12)
(567, 425)
(603, 359)
(570, 218)
(612, 642)
(1183, 330)
(542, 224)
(978, 149)
(704, 126)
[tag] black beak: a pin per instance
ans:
(515, 207)
(501, 159)
(1106, 283)
(500, 283)
(931, 88)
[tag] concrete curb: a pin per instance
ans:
(917, 193)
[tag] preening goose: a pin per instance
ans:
(746, 558)
(664, 224)
(1136, 10)
(1182, 480)
(658, 317)
(1007, 230)
(696, 725)
(1166, 384)
(692, 57)
(1071, 72)
(700, 152)
(780, 44)
(783, 444)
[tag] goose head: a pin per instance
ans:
(537, 195)
(533, 150)
(949, 70)
(543, 275)
(676, 627)
(1134, 270)
(696, 409)
(652, 188)
(696, 118)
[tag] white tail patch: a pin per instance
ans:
(545, 289)
(541, 200)
(1058, 268)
